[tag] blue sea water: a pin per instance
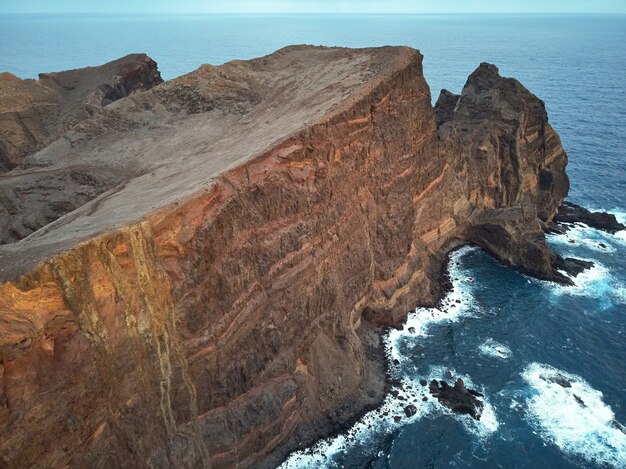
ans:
(508, 332)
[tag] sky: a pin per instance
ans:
(313, 6)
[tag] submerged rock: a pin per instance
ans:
(580, 401)
(557, 378)
(618, 426)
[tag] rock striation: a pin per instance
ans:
(196, 274)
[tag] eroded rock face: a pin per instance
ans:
(219, 302)
(33, 113)
(514, 163)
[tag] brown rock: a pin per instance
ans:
(255, 222)
(33, 113)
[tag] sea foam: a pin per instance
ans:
(574, 418)
(456, 304)
(494, 349)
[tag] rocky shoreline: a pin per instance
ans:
(570, 213)
(215, 257)
(456, 397)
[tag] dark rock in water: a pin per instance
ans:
(423, 382)
(555, 228)
(557, 379)
(602, 245)
(457, 398)
(397, 418)
(396, 361)
(573, 266)
(618, 426)
(580, 401)
(475, 393)
(412, 330)
(459, 385)
(410, 410)
(448, 374)
(571, 213)
(424, 398)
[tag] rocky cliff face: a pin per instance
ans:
(218, 303)
(34, 113)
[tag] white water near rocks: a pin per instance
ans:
(494, 349)
(588, 431)
(384, 420)
(574, 417)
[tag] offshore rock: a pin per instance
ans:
(457, 398)
(572, 213)
(34, 113)
(195, 275)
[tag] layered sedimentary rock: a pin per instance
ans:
(34, 113)
(217, 303)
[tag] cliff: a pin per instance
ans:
(33, 113)
(217, 301)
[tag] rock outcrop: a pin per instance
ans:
(457, 398)
(34, 113)
(569, 213)
(214, 298)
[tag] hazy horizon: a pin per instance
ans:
(316, 6)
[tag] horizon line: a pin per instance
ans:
(239, 13)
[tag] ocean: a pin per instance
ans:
(503, 333)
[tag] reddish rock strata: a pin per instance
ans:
(217, 304)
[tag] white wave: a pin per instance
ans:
(580, 235)
(372, 426)
(574, 418)
(494, 349)
(596, 282)
(456, 304)
(382, 421)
